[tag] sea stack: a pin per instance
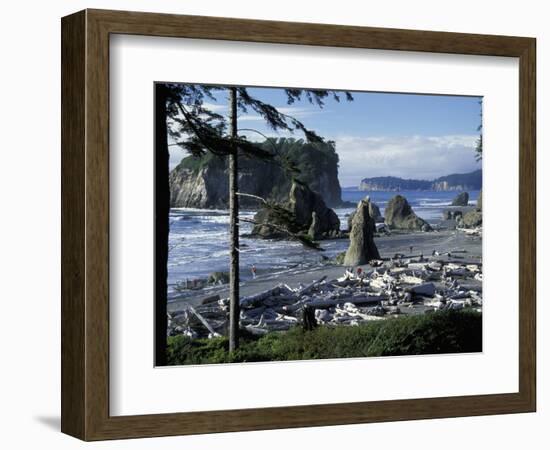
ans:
(374, 212)
(306, 207)
(303, 202)
(400, 216)
(461, 199)
(362, 248)
(315, 227)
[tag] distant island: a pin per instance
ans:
(455, 182)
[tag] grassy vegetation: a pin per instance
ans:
(438, 332)
(195, 163)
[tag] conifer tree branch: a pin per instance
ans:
(303, 239)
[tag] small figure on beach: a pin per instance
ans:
(411, 249)
(253, 270)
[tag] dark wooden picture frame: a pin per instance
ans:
(85, 224)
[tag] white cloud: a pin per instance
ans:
(250, 118)
(418, 157)
(293, 111)
(216, 107)
(297, 111)
(176, 155)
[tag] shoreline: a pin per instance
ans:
(442, 272)
(198, 239)
(467, 250)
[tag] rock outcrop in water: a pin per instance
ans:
(362, 248)
(461, 199)
(400, 216)
(203, 182)
(314, 231)
(466, 217)
(374, 212)
(452, 214)
(472, 219)
(309, 210)
(303, 202)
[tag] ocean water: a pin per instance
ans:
(199, 239)
(426, 204)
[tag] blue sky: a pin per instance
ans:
(379, 134)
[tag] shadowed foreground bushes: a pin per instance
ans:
(439, 332)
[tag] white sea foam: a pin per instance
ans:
(434, 204)
(200, 211)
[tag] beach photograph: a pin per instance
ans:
(302, 224)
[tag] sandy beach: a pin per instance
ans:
(464, 248)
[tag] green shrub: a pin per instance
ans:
(438, 332)
(196, 163)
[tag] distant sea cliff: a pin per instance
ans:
(454, 182)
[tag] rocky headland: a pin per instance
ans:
(203, 182)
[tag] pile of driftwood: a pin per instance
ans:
(478, 231)
(397, 286)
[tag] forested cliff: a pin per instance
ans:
(454, 182)
(203, 182)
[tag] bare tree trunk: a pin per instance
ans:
(234, 307)
(162, 225)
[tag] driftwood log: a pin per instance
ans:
(398, 287)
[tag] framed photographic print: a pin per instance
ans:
(271, 225)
